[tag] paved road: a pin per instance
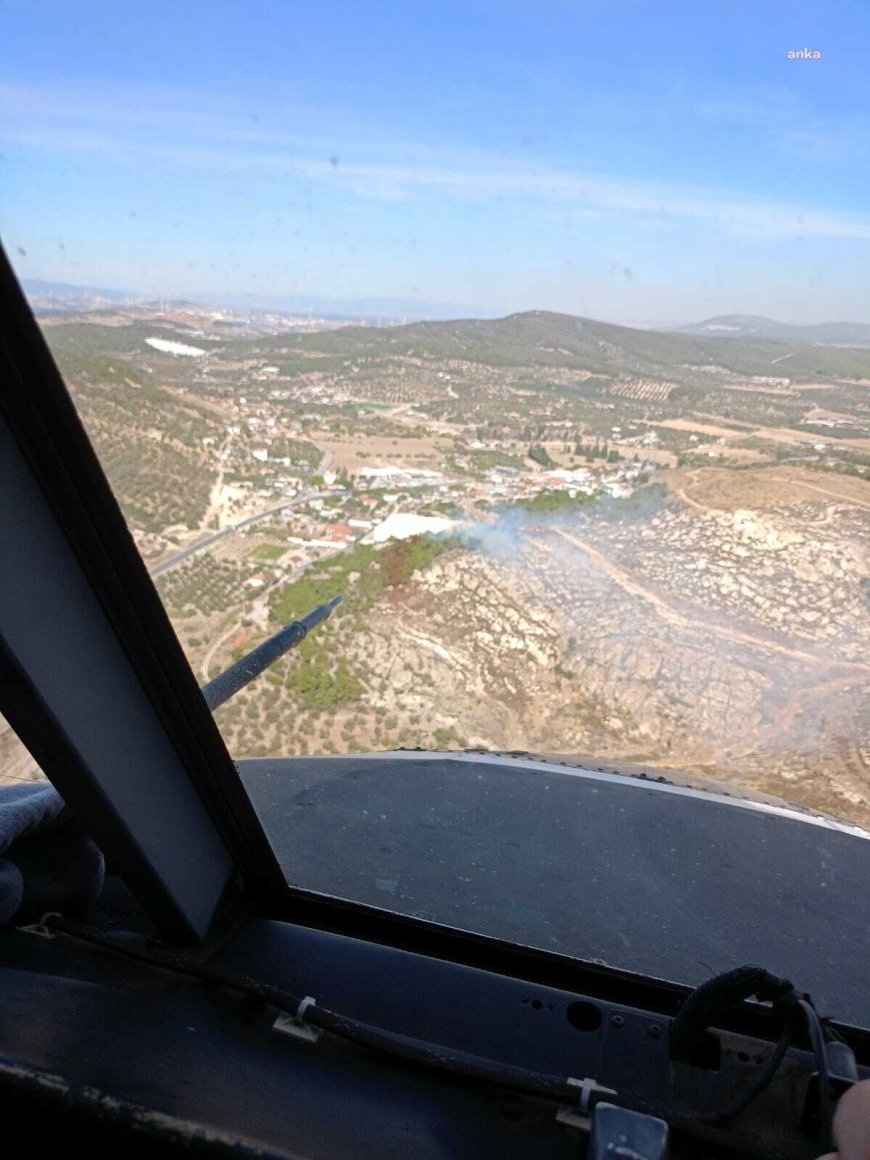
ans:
(201, 545)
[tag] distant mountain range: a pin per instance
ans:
(754, 326)
(535, 338)
(66, 296)
(67, 292)
(388, 309)
(542, 338)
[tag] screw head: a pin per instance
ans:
(617, 1021)
(654, 1031)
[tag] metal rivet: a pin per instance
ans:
(617, 1020)
(655, 1031)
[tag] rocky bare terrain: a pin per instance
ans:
(730, 641)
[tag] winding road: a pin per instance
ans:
(201, 545)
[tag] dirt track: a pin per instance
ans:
(828, 492)
(712, 489)
(755, 639)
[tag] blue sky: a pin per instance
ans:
(633, 160)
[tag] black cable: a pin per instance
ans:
(712, 1000)
(817, 1039)
(759, 1082)
(450, 1060)
(375, 1038)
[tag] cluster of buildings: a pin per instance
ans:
(399, 477)
(514, 485)
(336, 515)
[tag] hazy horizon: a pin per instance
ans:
(402, 310)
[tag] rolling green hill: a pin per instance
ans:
(149, 441)
(752, 325)
(86, 337)
(532, 339)
(539, 338)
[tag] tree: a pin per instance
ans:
(539, 454)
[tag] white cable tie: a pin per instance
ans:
(308, 1001)
(579, 1116)
(41, 928)
(296, 1025)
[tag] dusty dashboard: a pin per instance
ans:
(156, 1061)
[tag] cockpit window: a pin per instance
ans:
(538, 335)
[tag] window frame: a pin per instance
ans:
(72, 504)
(129, 669)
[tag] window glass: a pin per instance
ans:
(539, 334)
(16, 764)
